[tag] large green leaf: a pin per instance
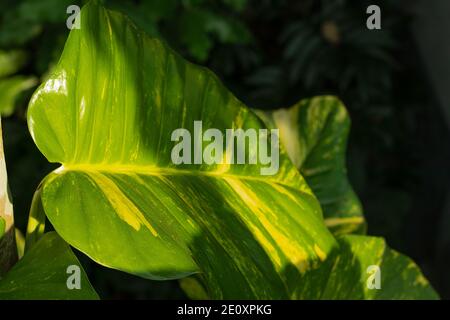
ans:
(44, 273)
(314, 133)
(107, 114)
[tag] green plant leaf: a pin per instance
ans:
(10, 88)
(347, 272)
(43, 273)
(8, 249)
(20, 243)
(194, 288)
(2, 227)
(314, 133)
(11, 61)
(36, 222)
(107, 114)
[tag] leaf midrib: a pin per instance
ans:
(160, 171)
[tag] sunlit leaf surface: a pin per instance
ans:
(107, 114)
(314, 133)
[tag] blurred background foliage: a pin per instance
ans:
(270, 54)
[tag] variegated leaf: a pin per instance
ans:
(107, 114)
(314, 133)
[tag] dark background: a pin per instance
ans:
(271, 54)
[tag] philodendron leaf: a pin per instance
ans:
(8, 250)
(49, 270)
(365, 267)
(107, 115)
(314, 133)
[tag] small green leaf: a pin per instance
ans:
(42, 273)
(314, 133)
(11, 62)
(10, 88)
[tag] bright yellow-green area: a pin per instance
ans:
(123, 207)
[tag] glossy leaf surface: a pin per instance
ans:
(314, 133)
(107, 114)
